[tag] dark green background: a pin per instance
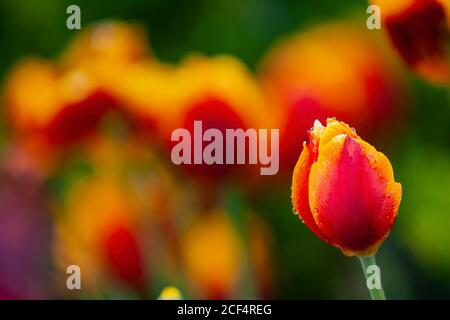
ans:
(416, 257)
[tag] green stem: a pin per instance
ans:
(375, 294)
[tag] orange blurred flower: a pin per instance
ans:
(149, 93)
(117, 56)
(49, 109)
(344, 190)
(222, 94)
(53, 105)
(335, 70)
(99, 230)
(420, 31)
(212, 255)
(112, 41)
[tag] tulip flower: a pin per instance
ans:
(113, 41)
(52, 105)
(212, 255)
(98, 230)
(344, 190)
(222, 94)
(420, 31)
(117, 56)
(307, 76)
(170, 293)
(148, 92)
(49, 109)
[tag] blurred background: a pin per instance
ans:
(86, 116)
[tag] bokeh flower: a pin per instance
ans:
(222, 93)
(344, 190)
(335, 70)
(49, 110)
(99, 229)
(112, 41)
(149, 95)
(55, 105)
(420, 31)
(170, 293)
(212, 255)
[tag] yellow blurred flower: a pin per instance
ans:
(170, 293)
(149, 93)
(212, 255)
(113, 41)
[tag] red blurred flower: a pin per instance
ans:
(222, 94)
(123, 255)
(51, 106)
(99, 230)
(49, 109)
(419, 30)
(344, 190)
(335, 70)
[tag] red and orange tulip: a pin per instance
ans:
(420, 31)
(344, 190)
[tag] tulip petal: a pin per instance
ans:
(353, 196)
(300, 191)
(333, 129)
